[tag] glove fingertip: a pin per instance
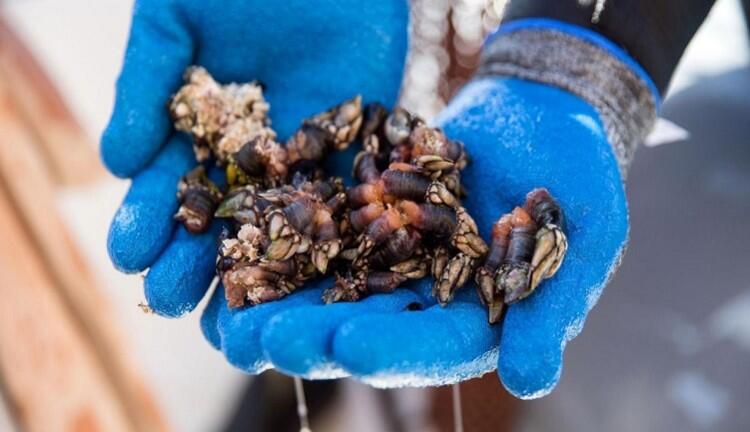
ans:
(143, 225)
(295, 340)
(123, 257)
(178, 280)
(290, 348)
(237, 330)
(350, 344)
(299, 341)
(530, 375)
(531, 347)
(435, 346)
(140, 228)
(536, 330)
(241, 329)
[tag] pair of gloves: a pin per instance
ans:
(520, 134)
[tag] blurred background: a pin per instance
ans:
(667, 348)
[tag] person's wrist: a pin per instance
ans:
(581, 62)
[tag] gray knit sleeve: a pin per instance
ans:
(624, 101)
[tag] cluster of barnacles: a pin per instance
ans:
(286, 236)
(220, 118)
(284, 213)
(406, 211)
(403, 220)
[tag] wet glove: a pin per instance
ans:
(310, 55)
(553, 105)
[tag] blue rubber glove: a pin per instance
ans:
(521, 135)
(310, 55)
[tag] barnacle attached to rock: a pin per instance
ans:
(246, 247)
(220, 118)
(255, 283)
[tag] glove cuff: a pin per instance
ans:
(584, 63)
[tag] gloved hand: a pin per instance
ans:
(520, 135)
(311, 55)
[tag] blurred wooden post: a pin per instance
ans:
(66, 150)
(52, 378)
(63, 362)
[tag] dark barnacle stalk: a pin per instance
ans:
(198, 197)
(354, 287)
(331, 130)
(373, 124)
(485, 275)
(397, 260)
(261, 161)
(341, 122)
(459, 249)
(265, 162)
(515, 270)
(551, 242)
